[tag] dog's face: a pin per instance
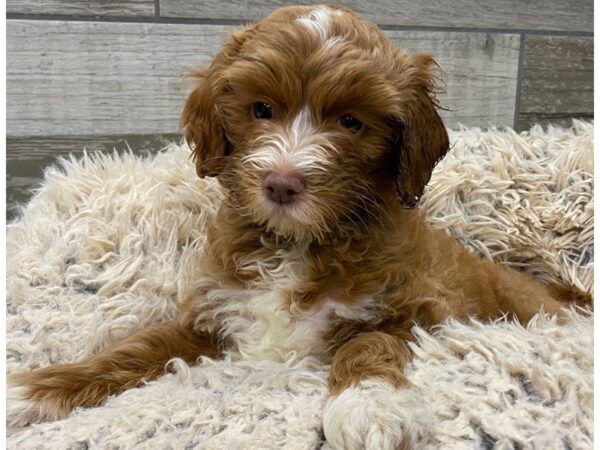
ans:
(311, 117)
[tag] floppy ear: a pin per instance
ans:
(422, 139)
(204, 127)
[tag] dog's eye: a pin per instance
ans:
(350, 122)
(262, 110)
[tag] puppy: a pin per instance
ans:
(324, 136)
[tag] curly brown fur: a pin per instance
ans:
(55, 390)
(344, 269)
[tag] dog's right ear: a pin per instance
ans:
(204, 127)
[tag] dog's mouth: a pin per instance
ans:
(288, 213)
(284, 202)
(288, 208)
(290, 200)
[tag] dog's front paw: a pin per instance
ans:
(21, 409)
(42, 395)
(373, 415)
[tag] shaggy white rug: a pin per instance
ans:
(108, 244)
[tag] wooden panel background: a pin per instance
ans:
(558, 80)
(86, 7)
(116, 77)
(122, 77)
(99, 72)
(506, 14)
(479, 71)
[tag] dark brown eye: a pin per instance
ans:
(350, 122)
(262, 110)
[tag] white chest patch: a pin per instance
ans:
(261, 323)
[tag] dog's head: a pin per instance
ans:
(311, 117)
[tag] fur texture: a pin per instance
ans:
(348, 424)
(92, 257)
(324, 136)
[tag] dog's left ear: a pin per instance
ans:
(421, 139)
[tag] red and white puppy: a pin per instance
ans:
(324, 136)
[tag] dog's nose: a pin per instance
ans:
(282, 187)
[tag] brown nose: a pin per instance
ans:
(282, 187)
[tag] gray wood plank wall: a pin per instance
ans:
(96, 74)
(114, 8)
(558, 81)
(506, 14)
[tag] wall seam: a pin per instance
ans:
(519, 80)
(157, 18)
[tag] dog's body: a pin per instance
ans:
(324, 136)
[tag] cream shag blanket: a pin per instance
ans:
(108, 243)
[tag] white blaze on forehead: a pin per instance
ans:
(299, 146)
(302, 123)
(319, 21)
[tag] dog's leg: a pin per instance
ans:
(521, 295)
(371, 403)
(52, 392)
(570, 295)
